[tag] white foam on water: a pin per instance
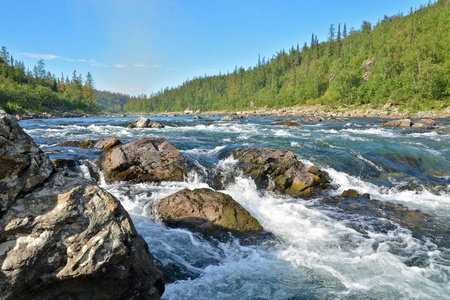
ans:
(210, 152)
(425, 200)
(373, 131)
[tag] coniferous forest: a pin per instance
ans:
(24, 91)
(403, 59)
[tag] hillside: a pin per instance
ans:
(403, 60)
(112, 102)
(27, 92)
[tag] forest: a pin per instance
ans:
(24, 91)
(403, 60)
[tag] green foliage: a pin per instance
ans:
(39, 91)
(112, 102)
(404, 60)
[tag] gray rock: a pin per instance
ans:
(72, 240)
(145, 160)
(281, 171)
(143, 122)
(397, 123)
(429, 123)
(62, 237)
(23, 166)
(227, 119)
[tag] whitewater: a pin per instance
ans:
(317, 251)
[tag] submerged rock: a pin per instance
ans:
(70, 144)
(385, 215)
(288, 123)
(397, 123)
(143, 122)
(206, 211)
(62, 237)
(145, 160)
(104, 143)
(281, 171)
(23, 166)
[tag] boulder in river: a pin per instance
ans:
(397, 123)
(226, 118)
(143, 122)
(145, 160)
(280, 170)
(428, 123)
(206, 211)
(62, 237)
(23, 166)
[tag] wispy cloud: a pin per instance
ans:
(147, 66)
(96, 64)
(120, 66)
(51, 56)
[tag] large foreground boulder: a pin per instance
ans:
(280, 170)
(207, 211)
(143, 122)
(145, 160)
(23, 166)
(62, 237)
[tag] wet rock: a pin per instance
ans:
(87, 144)
(70, 144)
(23, 166)
(377, 212)
(206, 211)
(397, 123)
(145, 160)
(288, 123)
(107, 143)
(350, 193)
(196, 118)
(65, 164)
(281, 171)
(62, 237)
(75, 244)
(143, 122)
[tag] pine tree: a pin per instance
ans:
(344, 32)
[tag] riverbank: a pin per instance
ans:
(325, 111)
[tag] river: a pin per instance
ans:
(319, 251)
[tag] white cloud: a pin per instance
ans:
(51, 56)
(120, 66)
(147, 66)
(41, 56)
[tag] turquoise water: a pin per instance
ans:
(318, 252)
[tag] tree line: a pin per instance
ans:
(404, 60)
(38, 90)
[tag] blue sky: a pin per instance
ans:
(142, 46)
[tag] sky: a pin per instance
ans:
(143, 46)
